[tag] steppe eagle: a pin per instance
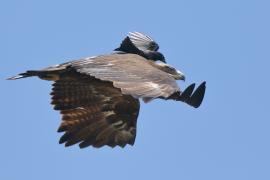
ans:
(98, 97)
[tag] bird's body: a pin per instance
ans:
(98, 97)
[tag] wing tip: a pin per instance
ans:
(15, 77)
(198, 96)
(195, 98)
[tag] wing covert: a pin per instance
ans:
(133, 74)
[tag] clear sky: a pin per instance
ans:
(225, 43)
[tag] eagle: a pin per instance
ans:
(99, 97)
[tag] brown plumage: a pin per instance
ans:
(98, 97)
(94, 112)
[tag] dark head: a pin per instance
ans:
(155, 56)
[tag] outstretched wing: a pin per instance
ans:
(133, 74)
(94, 112)
(143, 42)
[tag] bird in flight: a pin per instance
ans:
(98, 97)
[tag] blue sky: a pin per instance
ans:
(225, 43)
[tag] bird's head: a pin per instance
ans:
(176, 74)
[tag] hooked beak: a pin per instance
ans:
(179, 76)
